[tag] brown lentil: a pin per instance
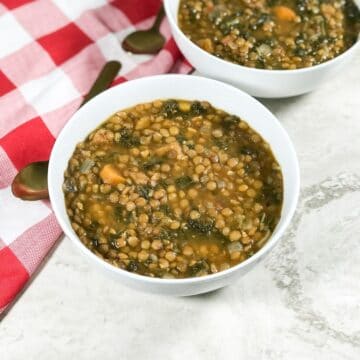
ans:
(156, 245)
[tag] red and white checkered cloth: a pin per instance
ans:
(50, 54)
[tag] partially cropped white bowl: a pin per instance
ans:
(257, 82)
(221, 96)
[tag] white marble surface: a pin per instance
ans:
(302, 302)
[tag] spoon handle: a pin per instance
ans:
(107, 75)
(159, 18)
(31, 182)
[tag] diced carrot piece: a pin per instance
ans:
(284, 13)
(161, 151)
(102, 136)
(328, 9)
(111, 175)
(139, 177)
(142, 123)
(184, 106)
(207, 45)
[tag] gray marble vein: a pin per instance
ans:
(288, 273)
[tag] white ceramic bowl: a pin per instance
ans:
(257, 82)
(147, 89)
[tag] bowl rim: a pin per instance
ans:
(272, 241)
(235, 67)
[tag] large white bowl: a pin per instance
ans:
(257, 82)
(147, 89)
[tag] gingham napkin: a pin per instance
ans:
(50, 54)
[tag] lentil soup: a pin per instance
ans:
(173, 189)
(271, 34)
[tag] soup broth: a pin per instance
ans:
(271, 34)
(173, 189)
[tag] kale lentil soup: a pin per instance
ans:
(271, 34)
(173, 189)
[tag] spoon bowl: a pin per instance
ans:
(148, 41)
(31, 182)
(144, 42)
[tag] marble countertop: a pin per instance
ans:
(301, 302)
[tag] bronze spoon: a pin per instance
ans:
(31, 181)
(146, 41)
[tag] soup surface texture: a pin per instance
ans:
(173, 189)
(271, 34)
